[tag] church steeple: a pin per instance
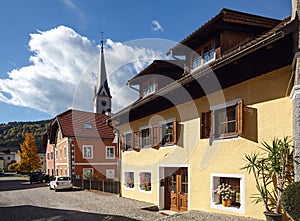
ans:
(102, 98)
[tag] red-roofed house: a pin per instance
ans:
(81, 143)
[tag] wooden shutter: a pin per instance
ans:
(239, 120)
(205, 125)
(122, 143)
(174, 131)
(155, 136)
(136, 145)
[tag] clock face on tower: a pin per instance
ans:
(103, 103)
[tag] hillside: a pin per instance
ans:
(12, 133)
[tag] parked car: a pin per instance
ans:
(36, 177)
(60, 183)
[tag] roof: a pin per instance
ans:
(169, 68)
(284, 28)
(246, 20)
(8, 150)
(75, 123)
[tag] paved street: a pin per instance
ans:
(20, 200)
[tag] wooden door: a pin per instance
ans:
(178, 190)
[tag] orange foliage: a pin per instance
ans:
(29, 158)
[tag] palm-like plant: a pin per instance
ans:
(272, 170)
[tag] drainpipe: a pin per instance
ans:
(117, 133)
(295, 94)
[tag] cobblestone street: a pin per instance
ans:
(23, 201)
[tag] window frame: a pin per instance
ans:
(173, 122)
(107, 172)
(145, 87)
(106, 149)
(209, 125)
(218, 205)
(125, 182)
(83, 151)
(85, 169)
(128, 147)
(65, 151)
(141, 184)
(146, 138)
(199, 56)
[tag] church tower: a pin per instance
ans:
(102, 98)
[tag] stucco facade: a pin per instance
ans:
(265, 101)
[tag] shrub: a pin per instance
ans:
(291, 200)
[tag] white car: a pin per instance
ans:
(60, 183)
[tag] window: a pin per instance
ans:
(164, 134)
(151, 86)
(197, 61)
(223, 121)
(145, 138)
(148, 87)
(236, 183)
(110, 173)
(209, 53)
(51, 155)
(88, 173)
(129, 179)
(65, 152)
(87, 152)
(60, 153)
(145, 181)
(48, 156)
(66, 172)
(204, 55)
(110, 152)
(128, 141)
(168, 133)
(88, 126)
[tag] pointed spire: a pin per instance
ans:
(102, 97)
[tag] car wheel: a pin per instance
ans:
(56, 190)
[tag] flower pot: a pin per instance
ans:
(226, 203)
(273, 216)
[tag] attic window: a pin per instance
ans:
(88, 126)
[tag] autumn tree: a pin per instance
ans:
(28, 153)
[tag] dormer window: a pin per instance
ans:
(205, 55)
(148, 87)
(88, 126)
(209, 53)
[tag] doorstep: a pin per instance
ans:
(167, 212)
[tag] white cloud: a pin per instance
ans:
(63, 72)
(156, 26)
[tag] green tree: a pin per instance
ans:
(28, 153)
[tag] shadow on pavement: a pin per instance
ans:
(7, 185)
(25, 213)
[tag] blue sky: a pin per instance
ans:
(49, 48)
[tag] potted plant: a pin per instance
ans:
(226, 192)
(273, 171)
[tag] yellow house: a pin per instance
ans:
(225, 90)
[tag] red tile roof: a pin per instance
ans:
(75, 123)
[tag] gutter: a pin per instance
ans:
(204, 71)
